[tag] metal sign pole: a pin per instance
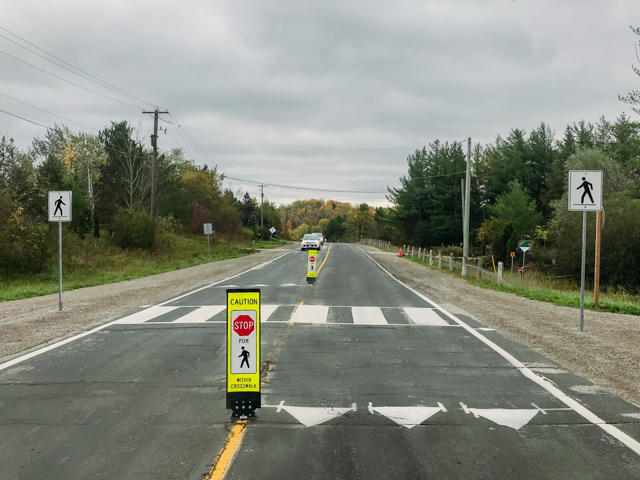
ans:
(209, 244)
(582, 274)
(524, 254)
(59, 266)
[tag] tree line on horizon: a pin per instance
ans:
(519, 191)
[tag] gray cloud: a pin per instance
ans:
(333, 74)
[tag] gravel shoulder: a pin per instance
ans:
(32, 322)
(607, 353)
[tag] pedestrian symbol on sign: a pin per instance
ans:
(245, 357)
(58, 207)
(587, 190)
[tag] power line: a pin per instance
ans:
(102, 83)
(25, 119)
(63, 118)
(305, 188)
(68, 81)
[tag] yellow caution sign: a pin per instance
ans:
(513, 254)
(312, 266)
(243, 352)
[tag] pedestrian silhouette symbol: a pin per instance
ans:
(587, 190)
(58, 204)
(245, 357)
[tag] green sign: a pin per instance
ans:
(524, 246)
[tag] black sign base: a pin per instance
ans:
(243, 405)
(311, 279)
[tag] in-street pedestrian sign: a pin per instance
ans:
(585, 190)
(243, 352)
(524, 246)
(60, 206)
(312, 266)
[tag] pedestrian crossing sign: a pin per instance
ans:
(243, 351)
(585, 190)
(60, 206)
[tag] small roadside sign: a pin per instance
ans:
(524, 246)
(60, 206)
(312, 266)
(513, 254)
(208, 229)
(243, 352)
(585, 190)
(272, 230)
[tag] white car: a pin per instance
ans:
(320, 237)
(310, 241)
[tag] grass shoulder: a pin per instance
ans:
(537, 287)
(93, 262)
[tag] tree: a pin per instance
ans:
(428, 205)
(125, 176)
(516, 208)
(360, 221)
(633, 98)
(335, 229)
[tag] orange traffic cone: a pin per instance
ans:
(400, 253)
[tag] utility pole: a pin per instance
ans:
(261, 202)
(596, 270)
(154, 144)
(467, 207)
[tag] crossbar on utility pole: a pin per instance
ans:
(154, 144)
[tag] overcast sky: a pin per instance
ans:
(377, 79)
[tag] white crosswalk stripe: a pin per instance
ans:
(266, 311)
(425, 316)
(201, 315)
(145, 315)
(310, 314)
(368, 316)
(317, 314)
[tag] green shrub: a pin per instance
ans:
(133, 228)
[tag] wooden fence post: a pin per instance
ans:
(439, 260)
(451, 262)
(500, 272)
(430, 257)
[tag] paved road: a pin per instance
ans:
(363, 378)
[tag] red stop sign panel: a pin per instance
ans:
(312, 259)
(243, 325)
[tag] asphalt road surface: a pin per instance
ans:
(362, 378)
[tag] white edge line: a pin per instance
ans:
(48, 348)
(223, 280)
(539, 379)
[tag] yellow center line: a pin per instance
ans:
(325, 258)
(294, 311)
(229, 450)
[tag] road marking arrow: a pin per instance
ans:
(407, 416)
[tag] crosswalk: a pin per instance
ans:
(295, 314)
